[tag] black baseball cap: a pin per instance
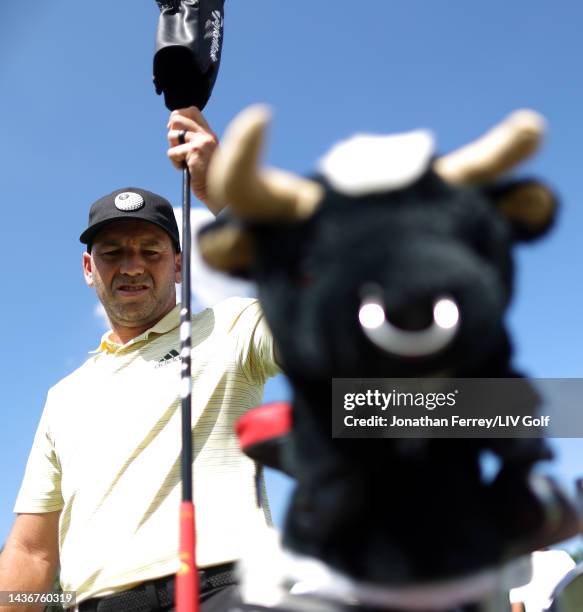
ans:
(131, 203)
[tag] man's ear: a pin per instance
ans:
(177, 268)
(87, 269)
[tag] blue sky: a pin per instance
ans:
(79, 118)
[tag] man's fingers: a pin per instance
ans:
(174, 137)
(179, 153)
(201, 137)
(189, 119)
(178, 122)
(198, 144)
(196, 148)
(192, 131)
(192, 112)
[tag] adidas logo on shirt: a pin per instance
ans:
(173, 355)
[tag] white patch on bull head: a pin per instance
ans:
(368, 163)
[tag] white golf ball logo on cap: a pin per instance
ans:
(128, 200)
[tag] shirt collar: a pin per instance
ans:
(164, 325)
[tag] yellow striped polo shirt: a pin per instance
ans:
(107, 450)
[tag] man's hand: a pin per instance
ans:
(200, 144)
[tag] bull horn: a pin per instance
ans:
(496, 152)
(267, 195)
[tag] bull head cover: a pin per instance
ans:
(387, 221)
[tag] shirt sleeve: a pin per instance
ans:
(40, 490)
(255, 347)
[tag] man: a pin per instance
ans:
(101, 490)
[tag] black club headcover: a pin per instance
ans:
(189, 42)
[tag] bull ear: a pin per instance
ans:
(528, 205)
(227, 247)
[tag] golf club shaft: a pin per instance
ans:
(187, 587)
(185, 346)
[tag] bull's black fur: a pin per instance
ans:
(396, 511)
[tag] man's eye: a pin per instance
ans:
(112, 253)
(151, 253)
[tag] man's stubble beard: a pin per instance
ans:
(136, 312)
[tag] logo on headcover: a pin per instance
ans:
(217, 27)
(128, 201)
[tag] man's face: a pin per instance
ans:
(133, 268)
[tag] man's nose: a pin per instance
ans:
(132, 264)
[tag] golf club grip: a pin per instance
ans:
(187, 587)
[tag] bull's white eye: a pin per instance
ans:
(446, 313)
(371, 315)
